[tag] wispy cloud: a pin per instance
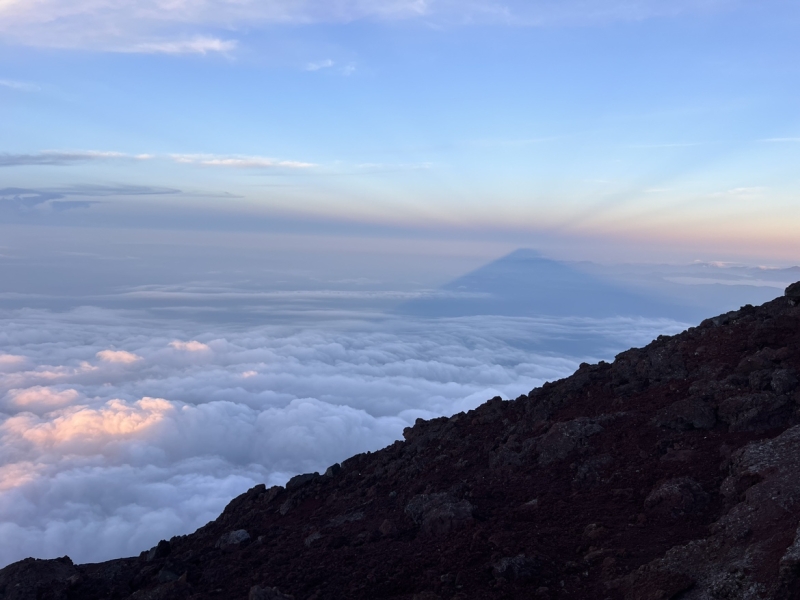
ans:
(512, 142)
(19, 86)
(316, 66)
(782, 139)
(60, 158)
(22, 201)
(242, 162)
(198, 45)
(155, 25)
(72, 157)
(668, 145)
(390, 167)
(741, 193)
(110, 190)
(322, 65)
(38, 201)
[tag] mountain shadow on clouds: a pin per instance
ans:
(525, 283)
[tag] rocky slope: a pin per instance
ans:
(672, 473)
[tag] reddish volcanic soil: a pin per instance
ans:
(673, 472)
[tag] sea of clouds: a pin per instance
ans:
(118, 429)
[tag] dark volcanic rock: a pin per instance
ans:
(692, 413)
(233, 540)
(793, 293)
(672, 473)
(33, 578)
(161, 550)
(514, 568)
(676, 498)
(267, 593)
(439, 514)
(564, 438)
(299, 481)
(754, 412)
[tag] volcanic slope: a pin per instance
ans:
(672, 473)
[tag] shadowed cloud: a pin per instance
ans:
(62, 158)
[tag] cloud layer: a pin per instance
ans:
(117, 430)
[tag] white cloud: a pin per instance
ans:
(84, 429)
(118, 356)
(316, 66)
(247, 162)
(198, 45)
(193, 346)
(39, 397)
(98, 461)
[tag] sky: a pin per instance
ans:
(215, 216)
(667, 131)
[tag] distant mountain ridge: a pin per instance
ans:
(525, 283)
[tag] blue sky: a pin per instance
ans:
(597, 122)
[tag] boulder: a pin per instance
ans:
(267, 593)
(565, 437)
(755, 412)
(515, 568)
(683, 415)
(789, 566)
(783, 381)
(764, 490)
(438, 514)
(333, 470)
(299, 481)
(233, 540)
(33, 578)
(793, 293)
(387, 528)
(676, 498)
(651, 582)
(589, 473)
(161, 550)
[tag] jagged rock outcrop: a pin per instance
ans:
(673, 473)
